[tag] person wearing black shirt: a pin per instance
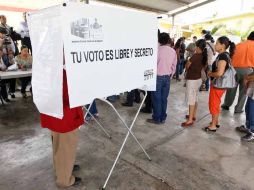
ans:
(219, 67)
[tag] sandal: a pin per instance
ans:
(217, 126)
(187, 117)
(186, 124)
(207, 129)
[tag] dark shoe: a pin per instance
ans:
(225, 107)
(163, 121)
(242, 129)
(76, 168)
(186, 124)
(249, 137)
(24, 95)
(153, 121)
(127, 104)
(207, 129)
(238, 111)
(138, 101)
(12, 95)
(7, 100)
(144, 110)
(187, 117)
(77, 181)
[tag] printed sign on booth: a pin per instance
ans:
(107, 51)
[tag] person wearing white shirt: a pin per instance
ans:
(24, 33)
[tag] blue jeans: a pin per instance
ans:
(93, 110)
(207, 84)
(179, 68)
(160, 98)
(112, 98)
(249, 110)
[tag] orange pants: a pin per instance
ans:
(215, 100)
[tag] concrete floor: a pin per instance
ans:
(182, 159)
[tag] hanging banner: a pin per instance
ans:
(107, 51)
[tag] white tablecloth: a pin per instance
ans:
(15, 74)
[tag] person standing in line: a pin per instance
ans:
(191, 48)
(243, 62)
(194, 67)
(248, 128)
(211, 53)
(220, 65)
(166, 66)
(182, 56)
(177, 48)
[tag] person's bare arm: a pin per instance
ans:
(188, 64)
(220, 71)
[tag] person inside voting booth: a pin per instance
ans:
(65, 139)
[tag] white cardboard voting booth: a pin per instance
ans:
(106, 51)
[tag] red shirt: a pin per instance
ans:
(72, 118)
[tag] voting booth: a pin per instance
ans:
(105, 51)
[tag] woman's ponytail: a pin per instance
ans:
(231, 48)
(205, 56)
(201, 44)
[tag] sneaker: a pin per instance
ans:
(249, 137)
(225, 107)
(242, 129)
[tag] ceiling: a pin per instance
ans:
(170, 7)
